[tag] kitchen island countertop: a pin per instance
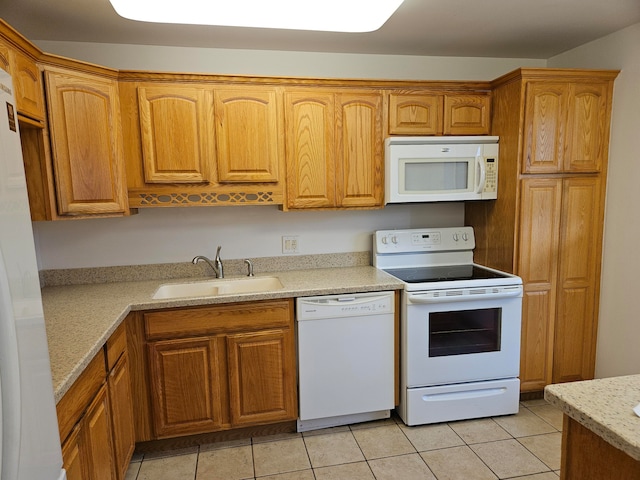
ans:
(605, 407)
(81, 318)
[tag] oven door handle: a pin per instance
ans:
(444, 297)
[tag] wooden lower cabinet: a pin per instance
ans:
(72, 457)
(97, 439)
(119, 386)
(88, 452)
(95, 417)
(185, 386)
(220, 367)
(261, 377)
(560, 248)
(587, 456)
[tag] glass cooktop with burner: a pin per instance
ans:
(444, 273)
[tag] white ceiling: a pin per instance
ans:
(469, 28)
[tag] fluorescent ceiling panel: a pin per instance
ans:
(321, 15)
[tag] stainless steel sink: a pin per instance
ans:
(216, 287)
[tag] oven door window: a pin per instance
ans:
(463, 332)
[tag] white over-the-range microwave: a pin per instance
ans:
(441, 169)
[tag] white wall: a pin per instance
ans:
(618, 351)
(295, 64)
(176, 235)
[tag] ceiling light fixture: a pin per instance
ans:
(320, 15)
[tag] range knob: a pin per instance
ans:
(465, 237)
(394, 239)
(456, 237)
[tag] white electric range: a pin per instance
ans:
(460, 326)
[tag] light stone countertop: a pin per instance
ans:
(604, 406)
(80, 318)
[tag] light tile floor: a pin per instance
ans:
(522, 446)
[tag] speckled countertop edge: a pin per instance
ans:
(80, 318)
(604, 406)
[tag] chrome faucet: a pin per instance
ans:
(216, 265)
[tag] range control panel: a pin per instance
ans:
(424, 239)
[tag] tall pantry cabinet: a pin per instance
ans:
(547, 223)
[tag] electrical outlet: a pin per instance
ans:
(290, 244)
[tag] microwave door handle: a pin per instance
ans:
(480, 166)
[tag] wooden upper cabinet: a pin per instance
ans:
(466, 114)
(438, 113)
(360, 161)
(86, 143)
(27, 81)
(248, 134)
(334, 148)
(176, 128)
(545, 126)
(310, 149)
(566, 126)
(415, 114)
(588, 127)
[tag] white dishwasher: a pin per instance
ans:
(345, 358)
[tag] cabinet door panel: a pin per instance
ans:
(249, 134)
(176, 126)
(537, 265)
(536, 360)
(466, 114)
(360, 161)
(98, 439)
(261, 377)
(545, 126)
(27, 83)
(588, 129)
(122, 415)
(310, 150)
(415, 114)
(185, 386)
(574, 351)
(72, 458)
(86, 143)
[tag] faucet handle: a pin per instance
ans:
(218, 252)
(249, 267)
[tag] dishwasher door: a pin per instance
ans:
(345, 358)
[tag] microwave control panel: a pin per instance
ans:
(491, 171)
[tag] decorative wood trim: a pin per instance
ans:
(196, 198)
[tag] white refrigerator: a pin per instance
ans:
(29, 440)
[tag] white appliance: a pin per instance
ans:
(459, 326)
(30, 443)
(441, 169)
(345, 359)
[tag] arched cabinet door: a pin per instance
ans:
(86, 143)
(248, 134)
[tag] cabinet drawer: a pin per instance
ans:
(218, 319)
(116, 346)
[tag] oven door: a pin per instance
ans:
(461, 335)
